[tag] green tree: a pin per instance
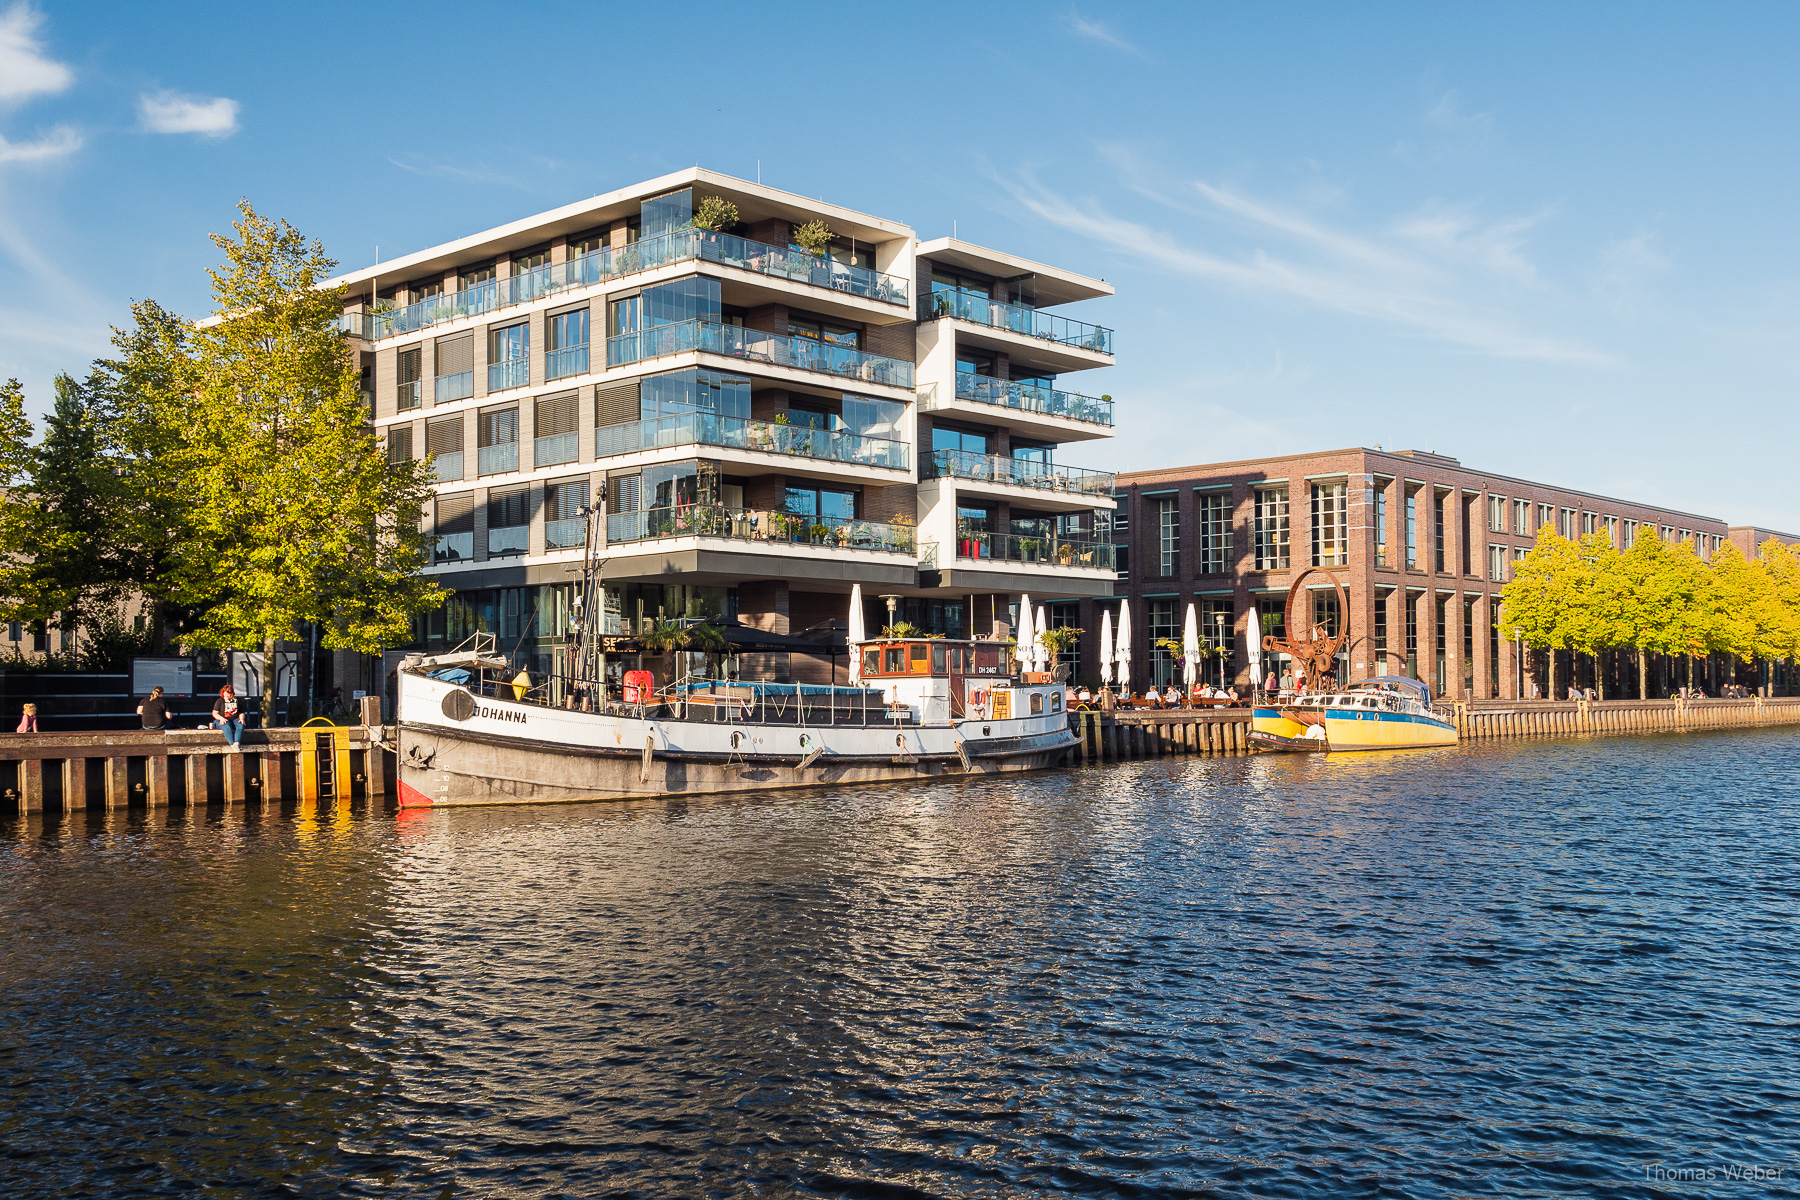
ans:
(295, 514)
(1594, 618)
(1641, 587)
(19, 597)
(1783, 566)
(1540, 602)
(1742, 609)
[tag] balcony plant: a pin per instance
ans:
(714, 213)
(1065, 554)
(813, 237)
(820, 533)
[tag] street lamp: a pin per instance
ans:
(893, 605)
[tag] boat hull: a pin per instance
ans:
(1347, 729)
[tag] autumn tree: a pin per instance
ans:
(1541, 602)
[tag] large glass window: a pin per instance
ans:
(692, 299)
(1168, 534)
(510, 343)
(1330, 524)
(1212, 514)
(671, 485)
(1412, 530)
(821, 502)
(1272, 529)
(568, 329)
(1161, 622)
(815, 330)
(406, 378)
(958, 439)
(694, 390)
(508, 521)
(1438, 500)
(666, 214)
(1381, 522)
(627, 316)
(868, 417)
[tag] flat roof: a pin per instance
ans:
(1053, 284)
(755, 202)
(1402, 460)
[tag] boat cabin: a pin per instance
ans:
(944, 679)
(938, 657)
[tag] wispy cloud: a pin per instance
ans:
(169, 112)
(1416, 279)
(59, 141)
(1095, 31)
(1627, 271)
(25, 70)
(472, 174)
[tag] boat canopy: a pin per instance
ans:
(1397, 682)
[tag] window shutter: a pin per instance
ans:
(509, 507)
(399, 443)
(406, 366)
(456, 513)
(498, 426)
(617, 405)
(556, 415)
(445, 436)
(623, 492)
(456, 354)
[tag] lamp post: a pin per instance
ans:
(893, 606)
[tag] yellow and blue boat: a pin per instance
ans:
(1389, 712)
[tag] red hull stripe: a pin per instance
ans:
(412, 797)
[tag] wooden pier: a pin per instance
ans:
(69, 772)
(1115, 737)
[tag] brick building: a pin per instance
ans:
(1421, 543)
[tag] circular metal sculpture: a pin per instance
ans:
(1313, 650)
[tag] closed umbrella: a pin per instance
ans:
(1106, 647)
(1043, 651)
(1026, 654)
(1123, 654)
(855, 633)
(1190, 650)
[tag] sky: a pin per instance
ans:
(1555, 241)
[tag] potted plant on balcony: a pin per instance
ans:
(1065, 554)
(1028, 549)
(714, 213)
(813, 237)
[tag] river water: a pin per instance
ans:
(1535, 969)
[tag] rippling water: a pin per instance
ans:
(1535, 969)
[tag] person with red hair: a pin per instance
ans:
(227, 717)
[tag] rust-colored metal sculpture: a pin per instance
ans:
(1313, 650)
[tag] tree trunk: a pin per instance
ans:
(268, 683)
(1599, 676)
(1690, 673)
(1550, 674)
(1643, 675)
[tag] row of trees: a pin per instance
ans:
(221, 472)
(1654, 597)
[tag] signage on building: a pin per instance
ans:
(173, 674)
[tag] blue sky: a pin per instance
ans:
(1555, 241)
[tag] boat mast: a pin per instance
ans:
(587, 652)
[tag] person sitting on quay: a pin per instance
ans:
(154, 710)
(1172, 696)
(227, 717)
(28, 720)
(1084, 697)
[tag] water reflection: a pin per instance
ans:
(1504, 970)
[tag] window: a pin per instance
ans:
(625, 316)
(406, 379)
(1168, 535)
(1381, 632)
(1438, 501)
(567, 351)
(1519, 552)
(1565, 523)
(1121, 516)
(509, 357)
(821, 503)
(444, 443)
(1122, 560)
(497, 440)
(693, 390)
(399, 443)
(1522, 517)
(565, 526)
(869, 417)
(959, 440)
(814, 330)
(475, 277)
(1590, 523)
(1161, 622)
(1330, 524)
(1412, 530)
(1212, 515)
(1546, 515)
(1611, 524)
(1272, 529)
(1497, 563)
(1497, 514)
(1381, 536)
(1631, 528)
(666, 214)
(508, 521)
(455, 528)
(553, 427)
(455, 369)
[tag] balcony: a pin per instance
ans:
(446, 389)
(753, 345)
(1031, 322)
(759, 525)
(1024, 397)
(570, 360)
(683, 245)
(1016, 472)
(736, 433)
(498, 460)
(509, 373)
(1036, 552)
(569, 534)
(557, 448)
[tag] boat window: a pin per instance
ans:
(939, 660)
(1037, 703)
(1056, 700)
(871, 662)
(918, 658)
(896, 660)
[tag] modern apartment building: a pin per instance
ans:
(1421, 543)
(763, 425)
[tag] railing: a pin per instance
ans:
(446, 388)
(1044, 552)
(498, 460)
(1004, 393)
(757, 346)
(1016, 472)
(407, 395)
(736, 433)
(759, 525)
(1032, 322)
(570, 360)
(683, 245)
(569, 534)
(557, 448)
(447, 467)
(508, 539)
(454, 547)
(928, 555)
(509, 373)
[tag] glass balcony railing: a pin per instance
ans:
(736, 433)
(508, 540)
(448, 388)
(557, 448)
(570, 534)
(447, 467)
(1032, 322)
(683, 245)
(1016, 472)
(571, 360)
(1043, 552)
(454, 547)
(1025, 397)
(498, 460)
(753, 345)
(509, 373)
(759, 525)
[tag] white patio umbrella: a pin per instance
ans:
(1026, 654)
(1043, 651)
(1106, 646)
(1190, 650)
(1122, 654)
(855, 633)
